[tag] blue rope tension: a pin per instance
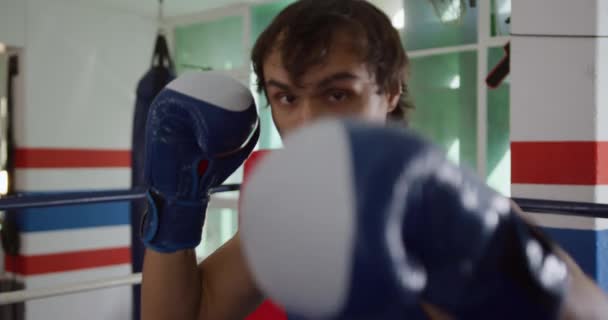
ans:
(75, 198)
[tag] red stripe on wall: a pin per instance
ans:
(562, 163)
(602, 160)
(71, 158)
(70, 261)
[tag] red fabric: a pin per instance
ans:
(252, 161)
(202, 167)
(268, 310)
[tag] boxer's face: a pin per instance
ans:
(340, 86)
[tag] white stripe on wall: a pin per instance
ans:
(537, 81)
(64, 278)
(110, 303)
(56, 180)
(47, 242)
(567, 222)
(601, 70)
(561, 192)
(583, 19)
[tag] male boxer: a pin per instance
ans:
(317, 58)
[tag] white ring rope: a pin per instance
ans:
(25, 295)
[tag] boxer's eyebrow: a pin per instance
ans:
(325, 82)
(336, 77)
(280, 85)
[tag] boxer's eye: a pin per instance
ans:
(338, 96)
(285, 98)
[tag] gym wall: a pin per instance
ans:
(80, 64)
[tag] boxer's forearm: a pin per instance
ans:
(228, 288)
(584, 299)
(221, 287)
(170, 286)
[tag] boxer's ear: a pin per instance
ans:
(393, 95)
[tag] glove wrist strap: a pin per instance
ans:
(170, 225)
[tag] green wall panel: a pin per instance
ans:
(444, 88)
(215, 44)
(501, 13)
(498, 148)
(425, 29)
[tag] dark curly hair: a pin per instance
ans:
(303, 33)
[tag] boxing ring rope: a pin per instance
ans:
(78, 198)
(577, 209)
(32, 294)
(580, 209)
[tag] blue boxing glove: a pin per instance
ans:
(357, 221)
(200, 129)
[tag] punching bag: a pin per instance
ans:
(160, 74)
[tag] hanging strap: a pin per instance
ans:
(161, 55)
